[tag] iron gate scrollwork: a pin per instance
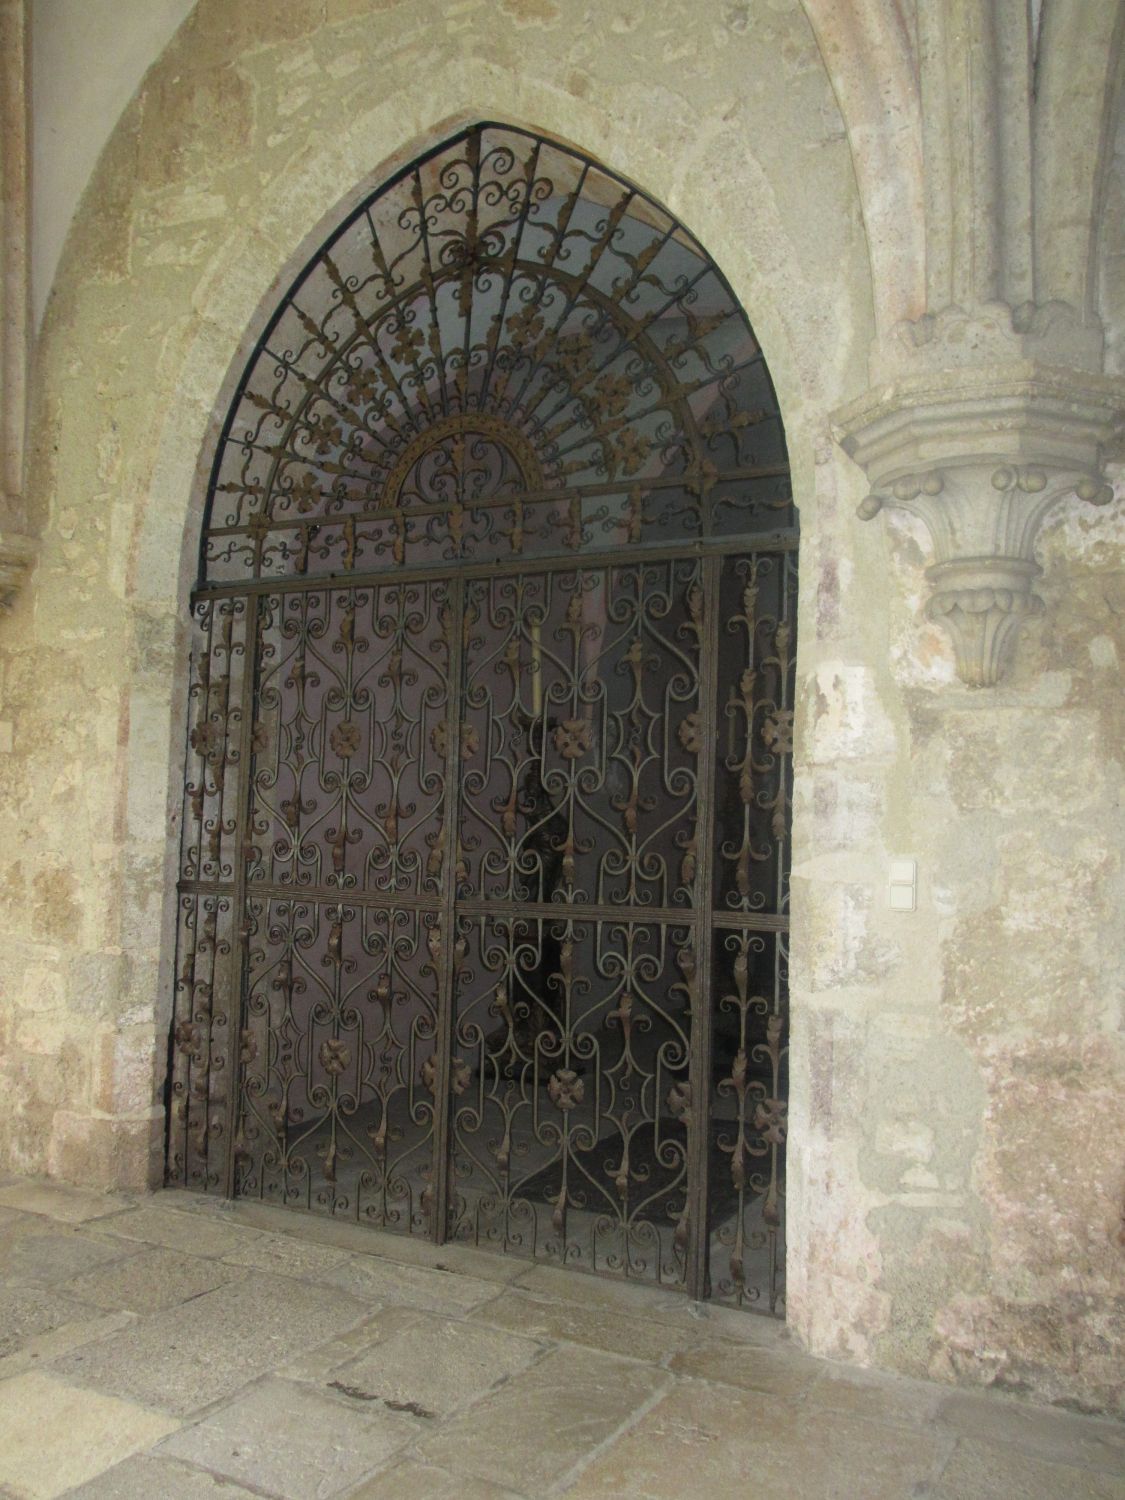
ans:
(483, 905)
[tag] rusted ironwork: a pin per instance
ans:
(484, 878)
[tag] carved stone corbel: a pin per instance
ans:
(981, 456)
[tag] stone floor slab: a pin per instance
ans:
(653, 1302)
(54, 1436)
(41, 1253)
(293, 1441)
(979, 1471)
(183, 1359)
(144, 1477)
(319, 1363)
(27, 1312)
(574, 1323)
(363, 1239)
(150, 1280)
(411, 1480)
(874, 1397)
(287, 1255)
(726, 1444)
(40, 1350)
(438, 1365)
(387, 1283)
(177, 1228)
(747, 1367)
(518, 1383)
(67, 1205)
(1056, 1436)
(544, 1422)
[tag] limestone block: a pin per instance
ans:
(120, 1153)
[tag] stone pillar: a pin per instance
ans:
(16, 549)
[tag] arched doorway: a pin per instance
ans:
(483, 899)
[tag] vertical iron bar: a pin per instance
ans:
(443, 1035)
(699, 1226)
(240, 922)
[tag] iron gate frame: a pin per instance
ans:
(706, 919)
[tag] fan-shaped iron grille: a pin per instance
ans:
(483, 899)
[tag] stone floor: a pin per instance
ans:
(169, 1348)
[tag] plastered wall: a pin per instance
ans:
(955, 1178)
(87, 58)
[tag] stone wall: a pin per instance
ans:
(955, 1180)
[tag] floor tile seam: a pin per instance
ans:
(386, 1471)
(1112, 1464)
(154, 1312)
(637, 1415)
(805, 1398)
(74, 1384)
(195, 1415)
(42, 1358)
(323, 1388)
(1109, 1469)
(301, 1231)
(313, 1277)
(440, 1419)
(177, 1249)
(998, 1404)
(80, 1232)
(945, 1446)
(179, 1461)
(560, 1340)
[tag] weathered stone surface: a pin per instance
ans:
(99, 1431)
(38, 1253)
(321, 1393)
(436, 1365)
(286, 1256)
(319, 1363)
(40, 1349)
(977, 1470)
(1059, 1437)
(149, 1281)
(57, 1201)
(156, 1224)
(576, 1323)
(873, 1396)
(294, 1442)
(411, 1286)
(361, 1239)
(411, 1480)
(788, 1375)
(144, 1477)
(572, 1401)
(723, 1444)
(185, 1358)
(26, 1312)
(594, 1291)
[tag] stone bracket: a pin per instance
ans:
(981, 456)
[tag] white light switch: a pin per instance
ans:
(904, 885)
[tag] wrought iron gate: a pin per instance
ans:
(483, 900)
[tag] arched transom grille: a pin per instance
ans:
(506, 352)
